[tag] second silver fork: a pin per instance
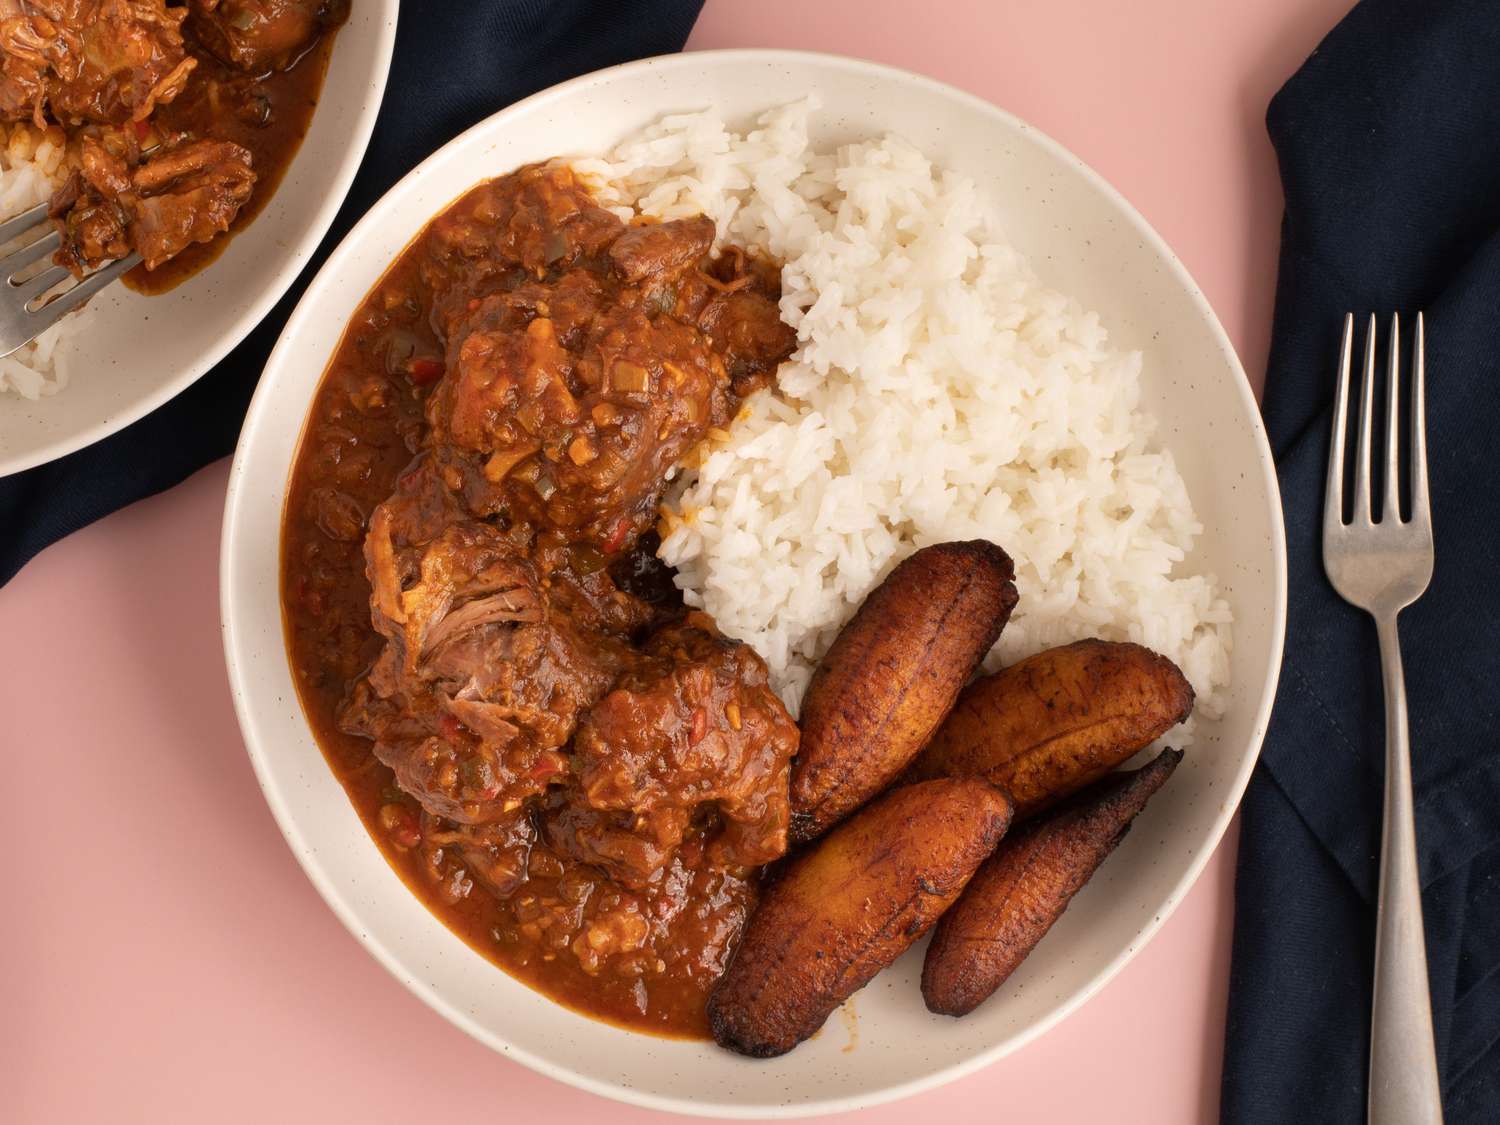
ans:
(1382, 566)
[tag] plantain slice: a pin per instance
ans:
(1026, 885)
(893, 675)
(1051, 724)
(848, 907)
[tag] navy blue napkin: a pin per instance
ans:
(455, 63)
(1389, 143)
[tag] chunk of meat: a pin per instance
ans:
(551, 221)
(465, 578)
(479, 685)
(181, 195)
(495, 854)
(687, 919)
(481, 727)
(746, 328)
(507, 391)
(257, 36)
(106, 61)
(691, 732)
(654, 250)
(493, 648)
(571, 303)
(87, 209)
(24, 68)
(187, 195)
(540, 228)
(578, 440)
(632, 849)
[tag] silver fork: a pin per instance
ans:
(1382, 567)
(28, 307)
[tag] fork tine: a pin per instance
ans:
(27, 255)
(54, 310)
(1361, 513)
(1421, 513)
(25, 221)
(36, 287)
(1390, 508)
(70, 298)
(1333, 491)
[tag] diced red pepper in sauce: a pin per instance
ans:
(400, 824)
(310, 596)
(424, 370)
(617, 536)
(549, 765)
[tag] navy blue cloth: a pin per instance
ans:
(1389, 144)
(454, 64)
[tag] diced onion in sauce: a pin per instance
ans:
(586, 559)
(629, 377)
(663, 300)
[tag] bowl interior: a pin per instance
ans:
(141, 351)
(1083, 239)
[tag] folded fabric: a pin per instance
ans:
(1389, 144)
(454, 64)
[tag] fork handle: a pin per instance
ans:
(1404, 1087)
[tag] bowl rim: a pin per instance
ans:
(256, 310)
(346, 913)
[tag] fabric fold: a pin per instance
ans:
(1388, 139)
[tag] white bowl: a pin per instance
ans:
(1085, 240)
(141, 351)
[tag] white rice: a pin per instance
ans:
(940, 391)
(30, 168)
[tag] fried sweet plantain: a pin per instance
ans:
(1022, 889)
(848, 907)
(1051, 724)
(893, 674)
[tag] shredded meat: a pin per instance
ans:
(181, 195)
(106, 61)
(483, 676)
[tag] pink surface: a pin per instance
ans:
(162, 957)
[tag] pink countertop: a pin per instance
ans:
(162, 957)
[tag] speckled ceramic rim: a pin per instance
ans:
(1275, 561)
(255, 310)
